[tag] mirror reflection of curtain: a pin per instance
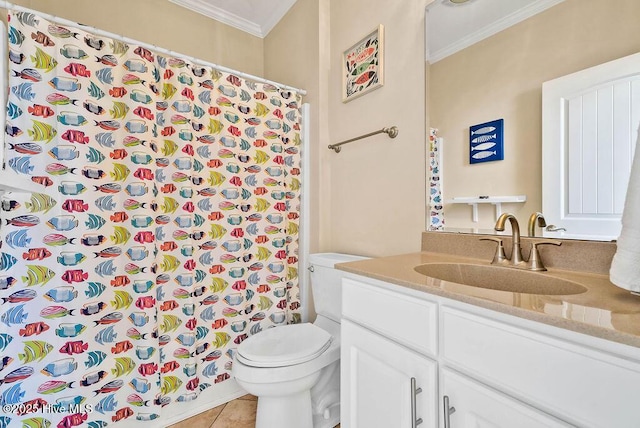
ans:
(436, 205)
(163, 231)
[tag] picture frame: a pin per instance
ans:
(486, 142)
(363, 65)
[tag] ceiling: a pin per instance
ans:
(256, 17)
(451, 28)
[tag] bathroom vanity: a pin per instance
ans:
(422, 352)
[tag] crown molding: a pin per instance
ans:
(254, 28)
(491, 29)
(214, 12)
(279, 12)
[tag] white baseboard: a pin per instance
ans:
(208, 399)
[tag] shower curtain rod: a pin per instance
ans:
(8, 5)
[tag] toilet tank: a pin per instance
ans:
(326, 282)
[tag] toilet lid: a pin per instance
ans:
(284, 346)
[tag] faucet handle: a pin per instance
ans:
(535, 261)
(499, 257)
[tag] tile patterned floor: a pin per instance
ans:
(240, 413)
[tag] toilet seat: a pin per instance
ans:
(284, 346)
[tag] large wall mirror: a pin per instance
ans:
(497, 71)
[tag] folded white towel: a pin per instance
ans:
(625, 267)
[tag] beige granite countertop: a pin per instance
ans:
(603, 311)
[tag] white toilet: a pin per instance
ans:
(294, 370)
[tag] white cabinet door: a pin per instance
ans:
(376, 387)
(477, 406)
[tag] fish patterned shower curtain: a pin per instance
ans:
(153, 229)
(434, 160)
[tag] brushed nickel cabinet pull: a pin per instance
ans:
(447, 411)
(415, 421)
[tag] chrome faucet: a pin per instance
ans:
(516, 260)
(516, 250)
(536, 217)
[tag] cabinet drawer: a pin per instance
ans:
(580, 385)
(404, 319)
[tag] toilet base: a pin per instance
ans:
(290, 411)
(325, 397)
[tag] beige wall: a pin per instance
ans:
(376, 191)
(501, 77)
(164, 24)
(369, 199)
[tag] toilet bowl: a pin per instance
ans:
(294, 370)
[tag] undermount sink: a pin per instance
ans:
(500, 278)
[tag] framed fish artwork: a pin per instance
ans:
(486, 142)
(362, 65)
